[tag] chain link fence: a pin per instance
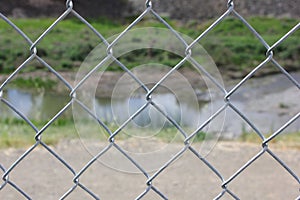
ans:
(112, 142)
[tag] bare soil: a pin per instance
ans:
(44, 177)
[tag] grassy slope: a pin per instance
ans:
(230, 44)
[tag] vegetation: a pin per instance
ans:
(232, 46)
(17, 133)
(283, 140)
(36, 82)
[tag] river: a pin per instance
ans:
(268, 102)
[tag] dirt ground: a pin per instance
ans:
(44, 177)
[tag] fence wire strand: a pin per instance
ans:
(112, 141)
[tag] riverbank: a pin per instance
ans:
(268, 102)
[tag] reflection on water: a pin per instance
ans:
(35, 106)
(43, 106)
(119, 110)
(22, 100)
(267, 118)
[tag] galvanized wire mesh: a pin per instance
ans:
(112, 142)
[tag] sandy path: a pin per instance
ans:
(43, 177)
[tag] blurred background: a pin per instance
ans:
(235, 50)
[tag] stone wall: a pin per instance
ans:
(207, 9)
(175, 9)
(53, 8)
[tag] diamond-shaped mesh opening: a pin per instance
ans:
(190, 181)
(281, 185)
(255, 99)
(46, 175)
(234, 55)
(61, 51)
(231, 151)
(32, 95)
(106, 177)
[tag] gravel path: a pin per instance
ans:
(43, 177)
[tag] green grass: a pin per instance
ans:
(15, 133)
(235, 48)
(284, 140)
(23, 136)
(230, 44)
(34, 82)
